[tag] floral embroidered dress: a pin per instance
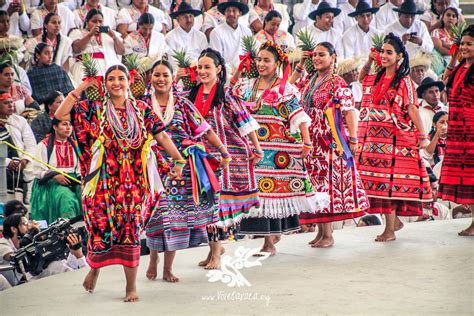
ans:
(239, 192)
(179, 221)
(389, 162)
(329, 171)
(283, 181)
(115, 215)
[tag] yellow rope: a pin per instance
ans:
(41, 161)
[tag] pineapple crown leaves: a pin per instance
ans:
(91, 68)
(133, 63)
(307, 42)
(377, 41)
(249, 45)
(458, 29)
(181, 58)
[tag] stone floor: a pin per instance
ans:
(427, 271)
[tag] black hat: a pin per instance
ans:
(221, 7)
(184, 8)
(428, 82)
(324, 7)
(362, 7)
(408, 7)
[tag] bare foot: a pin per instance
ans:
(398, 224)
(151, 273)
(386, 236)
(168, 276)
(265, 248)
(324, 242)
(276, 239)
(90, 280)
(215, 262)
(131, 296)
(316, 239)
(468, 231)
(206, 261)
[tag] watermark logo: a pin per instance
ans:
(230, 274)
(235, 296)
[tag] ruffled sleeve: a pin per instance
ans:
(241, 118)
(296, 114)
(346, 100)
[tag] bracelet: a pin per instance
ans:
(298, 70)
(449, 67)
(227, 159)
(225, 155)
(220, 147)
(72, 96)
(353, 140)
(308, 144)
(233, 81)
(307, 147)
(180, 161)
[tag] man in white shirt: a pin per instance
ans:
(185, 36)
(412, 32)
(430, 91)
(344, 21)
(322, 30)
(348, 69)
(301, 12)
(227, 37)
(386, 15)
(357, 40)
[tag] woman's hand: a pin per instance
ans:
(176, 172)
(306, 152)
(255, 159)
(61, 179)
(423, 143)
(304, 56)
(353, 147)
(181, 73)
(224, 163)
(373, 56)
(89, 82)
(93, 31)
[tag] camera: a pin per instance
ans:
(39, 250)
(103, 29)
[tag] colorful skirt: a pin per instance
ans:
(51, 200)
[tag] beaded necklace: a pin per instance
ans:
(131, 133)
(169, 110)
(255, 89)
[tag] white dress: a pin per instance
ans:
(130, 16)
(135, 43)
(64, 51)
(67, 19)
(109, 17)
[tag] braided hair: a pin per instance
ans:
(218, 60)
(469, 78)
(38, 50)
(141, 119)
(403, 69)
(90, 15)
(48, 17)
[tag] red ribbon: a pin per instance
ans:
(133, 73)
(204, 107)
(378, 59)
(191, 71)
(286, 73)
(245, 61)
(5, 96)
(454, 48)
(99, 83)
(310, 53)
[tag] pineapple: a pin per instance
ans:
(185, 63)
(377, 43)
(138, 86)
(307, 45)
(249, 45)
(91, 71)
(457, 32)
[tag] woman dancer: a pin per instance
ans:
(114, 137)
(391, 135)
(327, 100)
(180, 220)
(232, 123)
(285, 189)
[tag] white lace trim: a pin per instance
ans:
(249, 127)
(296, 121)
(282, 208)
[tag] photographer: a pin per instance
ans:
(17, 230)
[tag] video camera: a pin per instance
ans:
(49, 245)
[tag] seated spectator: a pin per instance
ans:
(54, 195)
(442, 36)
(18, 17)
(44, 67)
(99, 45)
(47, 6)
(357, 40)
(20, 95)
(301, 12)
(15, 130)
(433, 17)
(81, 12)
(434, 153)
(127, 17)
(14, 207)
(213, 18)
(429, 92)
(348, 69)
(261, 9)
(146, 41)
(387, 15)
(271, 32)
(42, 124)
(11, 50)
(411, 30)
(51, 35)
(419, 67)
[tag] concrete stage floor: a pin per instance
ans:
(427, 271)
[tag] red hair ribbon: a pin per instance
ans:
(286, 73)
(5, 96)
(454, 48)
(245, 61)
(191, 71)
(133, 73)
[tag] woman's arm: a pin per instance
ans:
(415, 117)
(123, 29)
(307, 145)
(438, 44)
(430, 149)
(64, 110)
(212, 137)
(351, 122)
(366, 69)
(79, 45)
(118, 43)
(299, 69)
